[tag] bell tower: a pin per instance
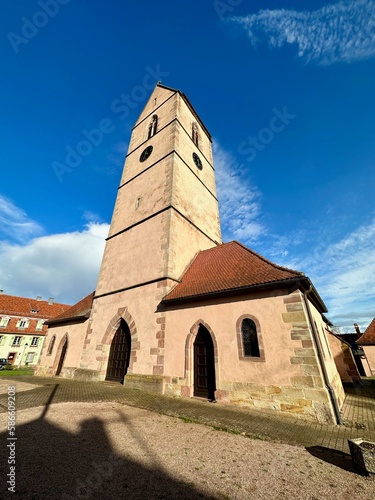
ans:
(165, 212)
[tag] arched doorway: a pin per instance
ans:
(204, 365)
(119, 354)
(62, 356)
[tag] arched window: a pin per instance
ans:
(51, 344)
(250, 342)
(153, 127)
(194, 134)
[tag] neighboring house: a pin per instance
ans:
(23, 327)
(367, 342)
(357, 351)
(344, 357)
(64, 340)
(177, 311)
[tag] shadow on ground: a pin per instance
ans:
(52, 463)
(366, 388)
(338, 458)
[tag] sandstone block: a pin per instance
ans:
(302, 381)
(292, 317)
(273, 389)
(302, 351)
(296, 360)
(291, 408)
(293, 307)
(317, 395)
(310, 369)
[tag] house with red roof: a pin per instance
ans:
(66, 328)
(23, 326)
(367, 342)
(179, 312)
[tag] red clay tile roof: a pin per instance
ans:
(228, 267)
(30, 330)
(368, 338)
(11, 305)
(81, 310)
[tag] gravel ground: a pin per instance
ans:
(111, 451)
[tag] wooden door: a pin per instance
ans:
(119, 354)
(204, 365)
(11, 357)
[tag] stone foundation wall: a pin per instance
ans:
(151, 383)
(309, 402)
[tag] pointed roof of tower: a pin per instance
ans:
(165, 93)
(233, 268)
(368, 338)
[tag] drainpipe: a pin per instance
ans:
(331, 392)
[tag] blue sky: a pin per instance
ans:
(286, 90)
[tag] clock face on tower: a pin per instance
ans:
(197, 161)
(146, 153)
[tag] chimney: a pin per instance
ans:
(39, 297)
(1, 291)
(358, 331)
(50, 301)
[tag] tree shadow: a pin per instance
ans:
(53, 463)
(335, 457)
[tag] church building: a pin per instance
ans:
(179, 312)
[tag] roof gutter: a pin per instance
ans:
(331, 392)
(67, 320)
(233, 291)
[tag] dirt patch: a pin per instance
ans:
(20, 386)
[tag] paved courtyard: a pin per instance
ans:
(358, 413)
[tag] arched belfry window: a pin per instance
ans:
(153, 127)
(194, 134)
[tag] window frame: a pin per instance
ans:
(39, 325)
(32, 355)
(153, 126)
(4, 321)
(17, 344)
(22, 326)
(51, 345)
(34, 344)
(195, 134)
(240, 346)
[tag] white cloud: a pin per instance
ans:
(341, 32)
(343, 271)
(347, 274)
(14, 222)
(90, 216)
(239, 203)
(64, 266)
